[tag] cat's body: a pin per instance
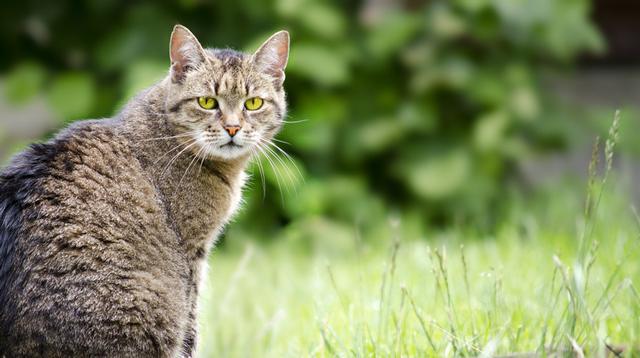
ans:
(104, 230)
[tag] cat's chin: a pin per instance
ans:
(229, 152)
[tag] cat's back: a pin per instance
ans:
(86, 255)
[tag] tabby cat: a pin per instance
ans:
(104, 230)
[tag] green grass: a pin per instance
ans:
(523, 289)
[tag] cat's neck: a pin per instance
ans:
(200, 194)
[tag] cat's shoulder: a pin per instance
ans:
(80, 139)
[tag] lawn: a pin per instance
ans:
(534, 284)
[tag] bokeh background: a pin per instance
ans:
(439, 112)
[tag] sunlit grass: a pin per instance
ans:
(516, 291)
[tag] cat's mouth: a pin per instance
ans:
(230, 144)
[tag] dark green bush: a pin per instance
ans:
(419, 106)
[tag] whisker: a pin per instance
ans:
(275, 170)
(290, 180)
(204, 157)
(281, 141)
(172, 149)
(176, 157)
(187, 134)
(295, 122)
(289, 158)
(189, 166)
(261, 171)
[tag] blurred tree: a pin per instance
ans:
(423, 106)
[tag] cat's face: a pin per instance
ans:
(222, 103)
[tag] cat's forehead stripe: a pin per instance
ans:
(231, 83)
(213, 85)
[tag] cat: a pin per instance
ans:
(104, 230)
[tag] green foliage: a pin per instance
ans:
(421, 106)
(71, 95)
(24, 82)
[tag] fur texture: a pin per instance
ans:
(104, 230)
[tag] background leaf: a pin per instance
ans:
(72, 94)
(24, 82)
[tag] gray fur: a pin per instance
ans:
(105, 229)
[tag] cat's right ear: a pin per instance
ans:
(185, 51)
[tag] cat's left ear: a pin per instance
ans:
(273, 55)
(185, 51)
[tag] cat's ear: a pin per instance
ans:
(273, 55)
(185, 51)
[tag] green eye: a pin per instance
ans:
(253, 104)
(207, 102)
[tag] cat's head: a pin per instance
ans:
(223, 103)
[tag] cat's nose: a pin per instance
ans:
(232, 130)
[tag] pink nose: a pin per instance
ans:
(232, 130)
